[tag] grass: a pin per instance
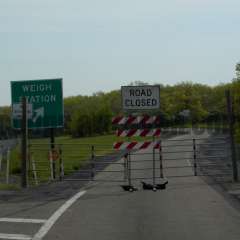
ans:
(12, 187)
(238, 133)
(15, 160)
(75, 153)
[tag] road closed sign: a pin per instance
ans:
(44, 103)
(140, 97)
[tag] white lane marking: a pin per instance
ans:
(22, 220)
(51, 221)
(15, 236)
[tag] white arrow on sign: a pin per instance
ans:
(39, 113)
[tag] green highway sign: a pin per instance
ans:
(44, 103)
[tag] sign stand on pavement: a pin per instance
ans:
(142, 131)
(138, 99)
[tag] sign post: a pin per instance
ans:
(36, 104)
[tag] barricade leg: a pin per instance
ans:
(129, 169)
(125, 166)
(161, 160)
(129, 187)
(154, 166)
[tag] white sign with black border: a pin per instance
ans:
(17, 111)
(140, 97)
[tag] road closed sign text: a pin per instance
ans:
(140, 97)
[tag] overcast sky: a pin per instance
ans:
(99, 45)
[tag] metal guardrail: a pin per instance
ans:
(174, 159)
(70, 162)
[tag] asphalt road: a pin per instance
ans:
(188, 209)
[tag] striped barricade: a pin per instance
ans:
(136, 145)
(139, 132)
(130, 120)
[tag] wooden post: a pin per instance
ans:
(24, 171)
(231, 132)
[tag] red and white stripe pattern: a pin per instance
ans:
(136, 145)
(121, 120)
(139, 133)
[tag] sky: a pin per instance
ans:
(101, 45)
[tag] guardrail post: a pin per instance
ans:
(92, 162)
(161, 159)
(61, 166)
(194, 157)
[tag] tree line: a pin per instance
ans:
(91, 115)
